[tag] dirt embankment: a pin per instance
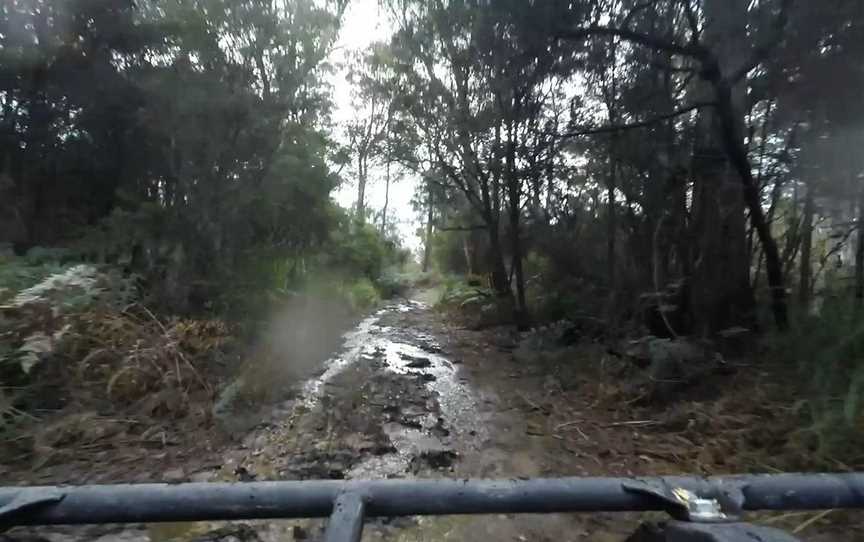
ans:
(414, 394)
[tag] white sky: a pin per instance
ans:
(365, 23)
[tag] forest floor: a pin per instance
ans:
(414, 393)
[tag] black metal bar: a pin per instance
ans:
(261, 500)
(346, 521)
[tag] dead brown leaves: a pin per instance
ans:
(119, 374)
(749, 425)
(132, 355)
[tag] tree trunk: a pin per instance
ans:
(427, 245)
(386, 199)
(514, 208)
(738, 156)
(495, 259)
(361, 189)
(611, 226)
(720, 293)
(469, 253)
(805, 279)
(859, 253)
(521, 309)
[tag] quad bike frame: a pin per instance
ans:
(701, 509)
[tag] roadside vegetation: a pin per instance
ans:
(669, 180)
(165, 200)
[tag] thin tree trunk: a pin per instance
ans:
(513, 196)
(467, 250)
(495, 259)
(427, 245)
(361, 189)
(386, 199)
(806, 272)
(859, 254)
(612, 181)
(521, 304)
(763, 140)
(611, 225)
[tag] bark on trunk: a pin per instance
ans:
(611, 180)
(721, 293)
(361, 189)
(738, 156)
(469, 253)
(611, 226)
(521, 309)
(520, 312)
(427, 245)
(386, 199)
(806, 273)
(495, 259)
(859, 254)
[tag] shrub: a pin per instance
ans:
(829, 353)
(394, 284)
(362, 295)
(18, 273)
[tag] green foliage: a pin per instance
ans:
(392, 284)
(184, 186)
(457, 293)
(448, 253)
(361, 294)
(355, 249)
(554, 293)
(829, 353)
(39, 298)
(19, 273)
(354, 265)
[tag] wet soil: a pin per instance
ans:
(414, 394)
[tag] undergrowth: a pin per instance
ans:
(827, 354)
(18, 273)
(77, 342)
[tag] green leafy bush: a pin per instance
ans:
(393, 284)
(457, 293)
(362, 295)
(829, 353)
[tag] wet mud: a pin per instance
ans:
(410, 394)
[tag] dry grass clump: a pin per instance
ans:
(113, 378)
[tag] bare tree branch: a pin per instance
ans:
(472, 227)
(762, 50)
(695, 50)
(692, 21)
(634, 125)
(673, 69)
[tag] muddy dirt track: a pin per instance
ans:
(412, 394)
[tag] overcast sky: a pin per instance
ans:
(365, 23)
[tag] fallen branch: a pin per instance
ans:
(567, 424)
(639, 423)
(812, 520)
(531, 403)
(574, 426)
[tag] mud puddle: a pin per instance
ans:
(407, 395)
(388, 404)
